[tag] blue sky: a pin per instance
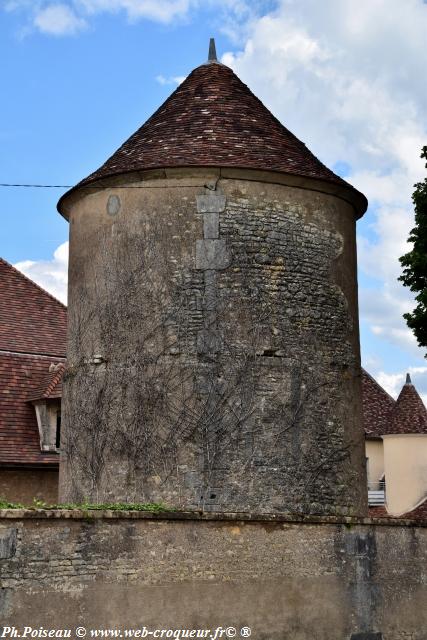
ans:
(79, 76)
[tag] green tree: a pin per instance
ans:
(414, 263)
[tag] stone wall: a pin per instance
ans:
(284, 577)
(25, 485)
(213, 347)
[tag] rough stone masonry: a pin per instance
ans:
(213, 358)
(323, 578)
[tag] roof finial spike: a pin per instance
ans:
(408, 379)
(212, 51)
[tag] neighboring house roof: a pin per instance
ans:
(382, 415)
(31, 320)
(32, 339)
(214, 120)
(51, 385)
(409, 414)
(377, 406)
(419, 513)
(20, 376)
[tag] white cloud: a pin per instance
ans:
(171, 80)
(58, 20)
(158, 10)
(382, 308)
(72, 16)
(233, 14)
(393, 382)
(49, 274)
(231, 17)
(345, 78)
(339, 88)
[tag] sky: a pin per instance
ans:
(345, 76)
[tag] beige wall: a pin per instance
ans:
(23, 485)
(405, 464)
(375, 464)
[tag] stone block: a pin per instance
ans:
(213, 202)
(7, 543)
(208, 342)
(212, 254)
(211, 225)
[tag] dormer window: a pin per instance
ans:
(48, 414)
(47, 404)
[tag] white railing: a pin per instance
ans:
(376, 493)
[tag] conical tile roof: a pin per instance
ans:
(214, 120)
(409, 414)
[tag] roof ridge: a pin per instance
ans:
(377, 406)
(377, 384)
(58, 373)
(40, 288)
(27, 354)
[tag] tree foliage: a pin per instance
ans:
(414, 263)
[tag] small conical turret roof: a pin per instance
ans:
(409, 414)
(213, 120)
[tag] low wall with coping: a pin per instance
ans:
(312, 578)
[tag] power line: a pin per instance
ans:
(38, 186)
(97, 186)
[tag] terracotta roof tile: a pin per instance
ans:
(382, 415)
(51, 385)
(20, 376)
(213, 119)
(377, 407)
(418, 514)
(32, 338)
(31, 320)
(378, 512)
(409, 414)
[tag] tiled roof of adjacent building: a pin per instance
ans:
(419, 513)
(51, 385)
(409, 414)
(382, 415)
(214, 120)
(377, 407)
(20, 376)
(31, 320)
(32, 352)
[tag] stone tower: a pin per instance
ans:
(213, 354)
